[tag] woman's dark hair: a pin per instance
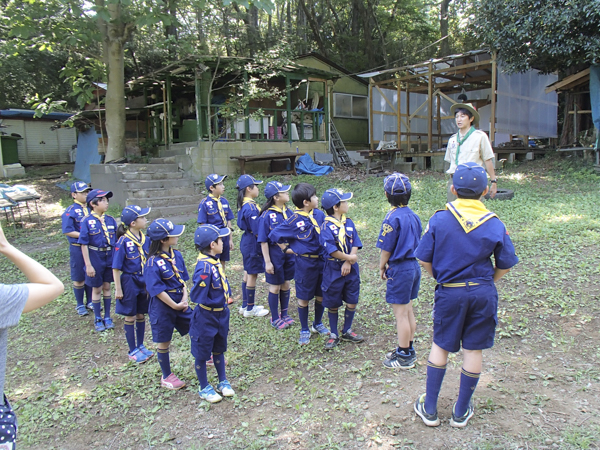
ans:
(464, 111)
(121, 230)
(301, 192)
(270, 202)
(398, 199)
(241, 195)
(155, 247)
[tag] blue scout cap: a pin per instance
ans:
(469, 178)
(213, 179)
(332, 197)
(246, 181)
(97, 193)
(205, 234)
(275, 187)
(132, 212)
(164, 228)
(80, 186)
(397, 183)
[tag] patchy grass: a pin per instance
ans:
(76, 389)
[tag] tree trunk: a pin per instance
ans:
(314, 27)
(445, 44)
(171, 29)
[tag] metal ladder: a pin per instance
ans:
(337, 147)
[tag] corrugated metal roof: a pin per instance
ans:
(28, 114)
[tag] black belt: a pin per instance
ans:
(100, 249)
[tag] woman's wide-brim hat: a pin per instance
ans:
(468, 107)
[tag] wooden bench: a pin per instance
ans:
(272, 157)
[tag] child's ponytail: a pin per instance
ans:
(270, 202)
(240, 198)
(121, 230)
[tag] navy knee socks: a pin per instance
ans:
(79, 291)
(333, 321)
(274, 306)
(140, 330)
(163, 359)
(319, 310)
(244, 295)
(284, 300)
(200, 367)
(219, 360)
(348, 318)
(435, 377)
(129, 335)
(250, 295)
(303, 316)
(468, 383)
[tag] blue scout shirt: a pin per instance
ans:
(93, 233)
(300, 231)
(248, 221)
(209, 211)
(211, 287)
(269, 220)
(130, 254)
(71, 219)
(330, 236)
(457, 256)
(165, 272)
(400, 234)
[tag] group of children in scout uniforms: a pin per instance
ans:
(319, 252)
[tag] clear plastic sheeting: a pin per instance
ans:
(523, 107)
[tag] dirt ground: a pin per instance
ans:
(539, 389)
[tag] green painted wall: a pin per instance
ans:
(354, 132)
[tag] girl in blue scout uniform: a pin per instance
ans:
(341, 278)
(165, 275)
(279, 260)
(215, 210)
(97, 239)
(131, 253)
(71, 224)
(247, 220)
(456, 251)
(210, 321)
(302, 231)
(398, 239)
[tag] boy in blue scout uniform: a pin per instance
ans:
(341, 278)
(97, 239)
(210, 322)
(71, 224)
(455, 250)
(247, 221)
(165, 275)
(398, 239)
(130, 255)
(215, 210)
(302, 233)
(279, 260)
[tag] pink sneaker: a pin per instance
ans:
(172, 382)
(288, 320)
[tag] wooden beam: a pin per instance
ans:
(494, 87)
(430, 109)
(371, 84)
(567, 80)
(398, 116)
(386, 99)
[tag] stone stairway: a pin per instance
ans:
(160, 185)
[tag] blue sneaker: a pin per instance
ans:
(99, 325)
(82, 311)
(145, 351)
(319, 328)
(304, 338)
(108, 323)
(209, 394)
(137, 356)
(225, 389)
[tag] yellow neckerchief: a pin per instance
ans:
(341, 224)
(248, 200)
(140, 245)
(309, 215)
(283, 210)
(462, 141)
(220, 207)
(171, 259)
(469, 213)
(215, 262)
(106, 235)
(86, 211)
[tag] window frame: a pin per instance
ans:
(351, 116)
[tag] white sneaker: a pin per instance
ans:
(241, 310)
(225, 389)
(256, 312)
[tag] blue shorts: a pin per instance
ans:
(77, 263)
(465, 314)
(208, 332)
(308, 277)
(223, 257)
(164, 319)
(254, 262)
(135, 298)
(338, 289)
(284, 266)
(102, 263)
(403, 282)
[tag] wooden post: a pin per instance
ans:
(197, 91)
(326, 111)
(371, 115)
(439, 121)
(246, 114)
(408, 135)
(494, 88)
(169, 121)
(430, 109)
(165, 133)
(398, 112)
(288, 105)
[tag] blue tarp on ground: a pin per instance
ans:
(87, 153)
(595, 99)
(306, 165)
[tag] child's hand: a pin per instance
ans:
(352, 259)
(230, 243)
(382, 273)
(4, 244)
(269, 268)
(118, 293)
(183, 305)
(90, 271)
(346, 267)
